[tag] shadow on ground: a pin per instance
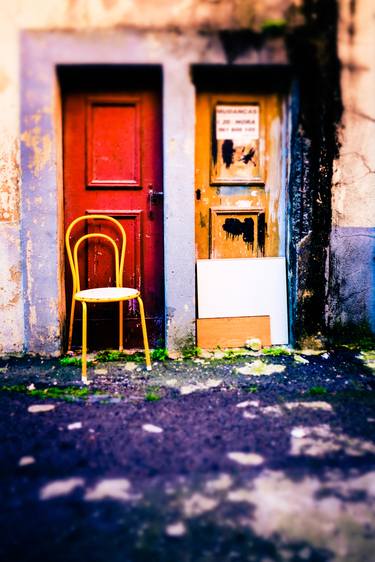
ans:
(232, 459)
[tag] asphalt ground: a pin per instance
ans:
(222, 458)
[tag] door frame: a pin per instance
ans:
(128, 200)
(241, 305)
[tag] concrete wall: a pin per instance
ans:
(34, 37)
(352, 262)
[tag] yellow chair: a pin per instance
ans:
(103, 294)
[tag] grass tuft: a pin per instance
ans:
(317, 391)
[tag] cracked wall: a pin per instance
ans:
(345, 269)
(351, 299)
(28, 270)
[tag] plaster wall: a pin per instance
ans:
(33, 322)
(352, 262)
(23, 254)
(41, 195)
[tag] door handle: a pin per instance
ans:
(153, 196)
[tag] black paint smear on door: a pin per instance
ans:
(227, 152)
(262, 227)
(235, 227)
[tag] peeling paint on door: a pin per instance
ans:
(237, 210)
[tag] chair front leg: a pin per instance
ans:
(84, 342)
(144, 332)
(121, 326)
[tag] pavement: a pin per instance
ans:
(231, 456)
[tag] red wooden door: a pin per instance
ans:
(112, 163)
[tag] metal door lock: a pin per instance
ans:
(153, 197)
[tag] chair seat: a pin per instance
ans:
(107, 294)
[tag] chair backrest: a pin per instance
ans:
(73, 252)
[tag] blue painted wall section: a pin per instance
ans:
(352, 276)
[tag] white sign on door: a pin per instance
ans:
(239, 123)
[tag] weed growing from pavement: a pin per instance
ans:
(190, 352)
(153, 394)
(108, 355)
(67, 393)
(317, 391)
(251, 389)
(276, 351)
(159, 354)
(70, 361)
(233, 355)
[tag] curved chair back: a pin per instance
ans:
(73, 252)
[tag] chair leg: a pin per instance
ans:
(121, 326)
(84, 343)
(144, 331)
(71, 321)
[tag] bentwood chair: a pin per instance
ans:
(103, 294)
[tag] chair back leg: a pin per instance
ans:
(144, 332)
(70, 334)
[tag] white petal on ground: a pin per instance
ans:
(31, 386)
(254, 344)
(36, 408)
(198, 504)
(60, 488)
(130, 366)
(249, 415)
(177, 529)
(317, 405)
(74, 425)
(222, 482)
(101, 371)
(247, 403)
(259, 368)
(200, 386)
(298, 432)
(294, 511)
(312, 352)
(300, 359)
(24, 461)
(368, 358)
(150, 428)
(171, 383)
(275, 410)
(246, 459)
(321, 439)
(115, 489)
(240, 495)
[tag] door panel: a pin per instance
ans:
(113, 142)
(238, 182)
(112, 159)
(238, 215)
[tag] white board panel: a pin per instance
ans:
(245, 287)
